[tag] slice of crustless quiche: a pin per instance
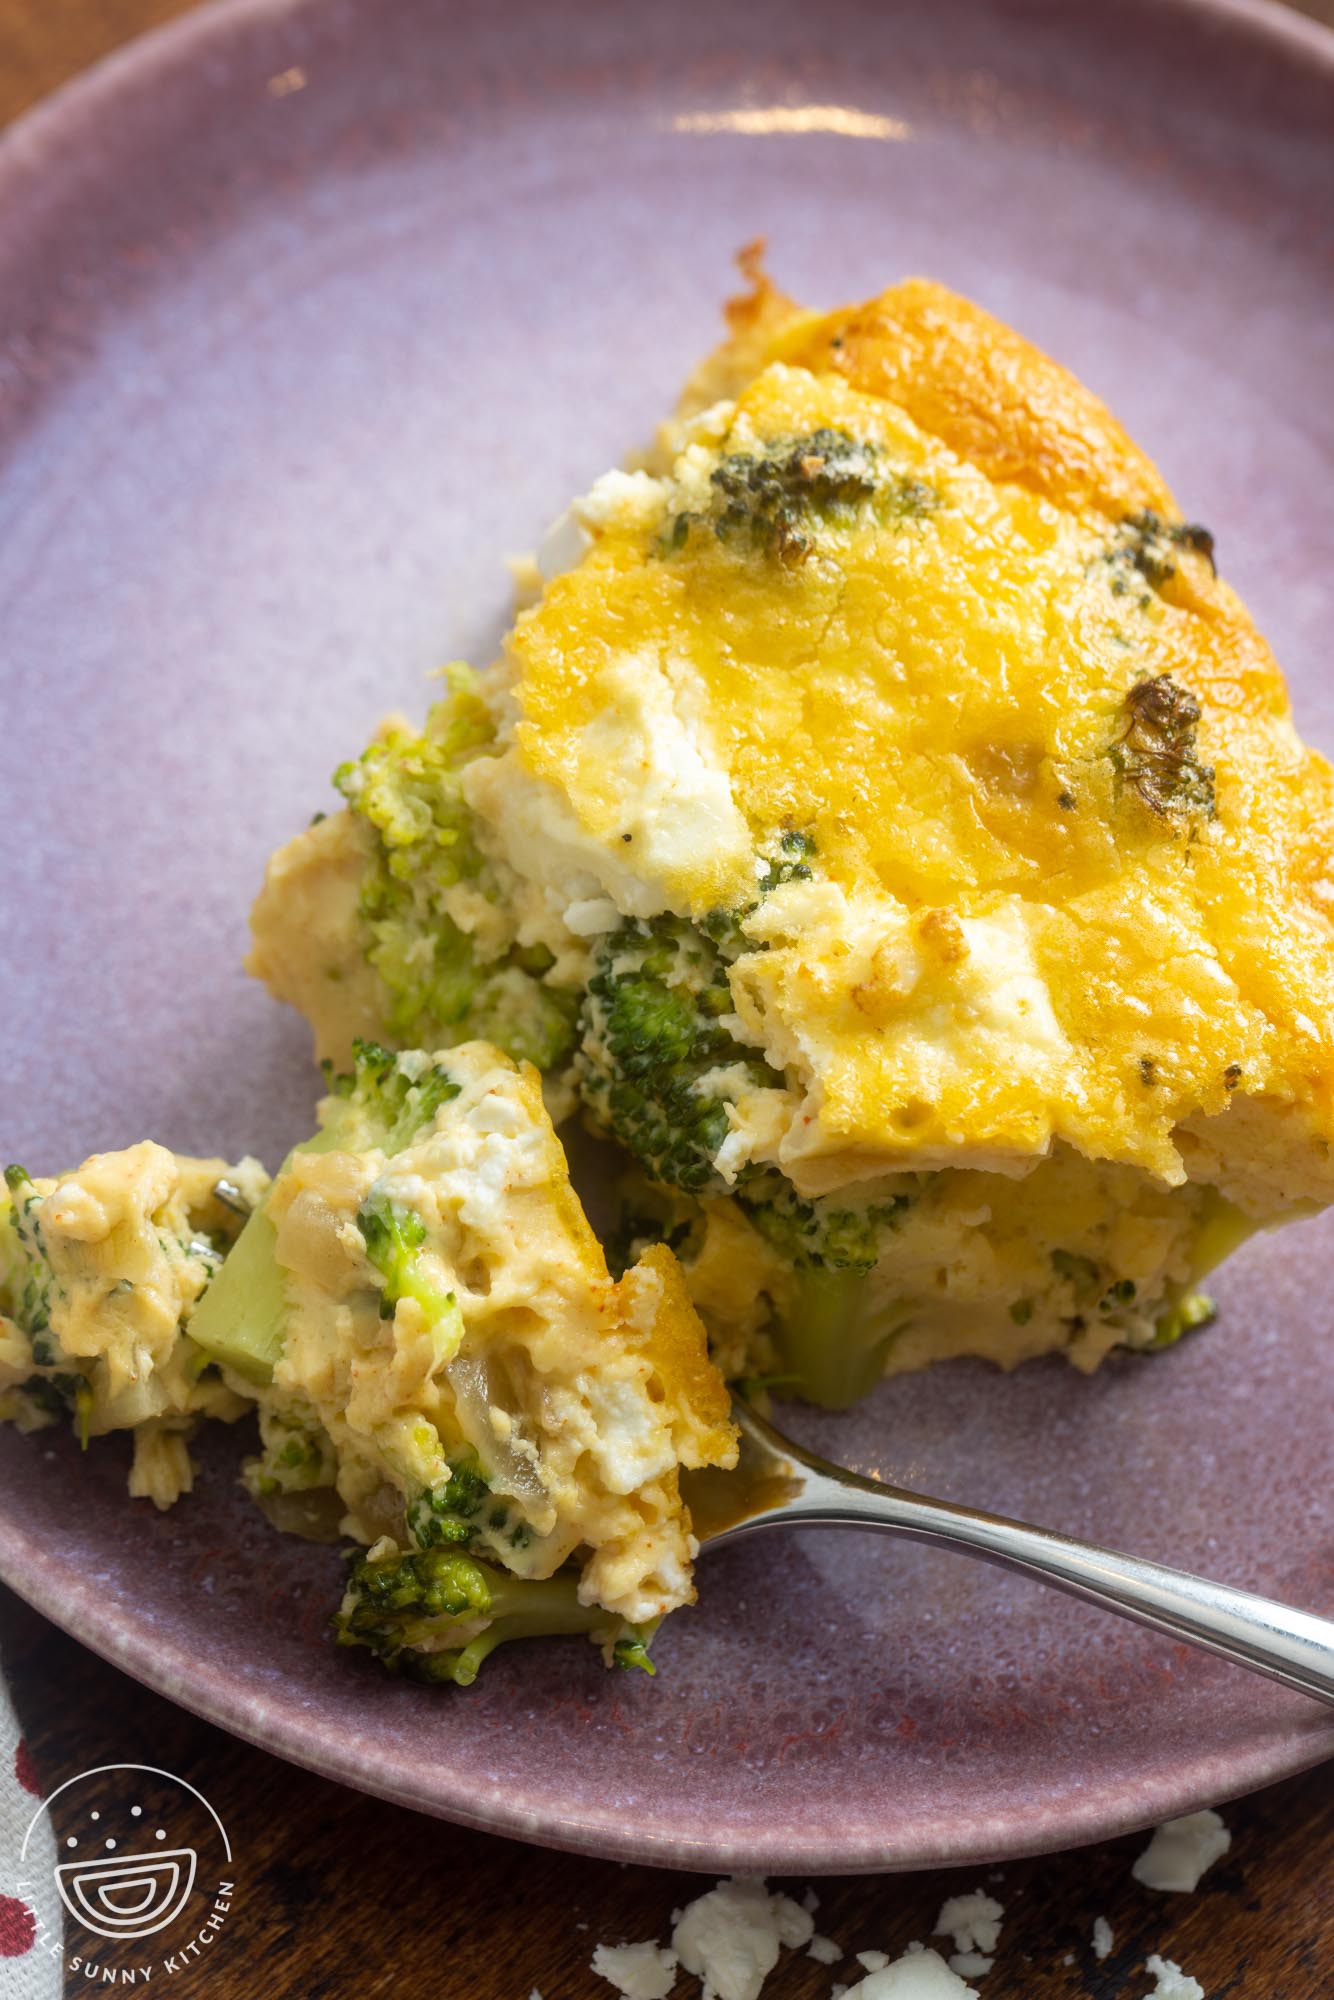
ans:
(892, 830)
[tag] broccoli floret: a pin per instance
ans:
(632, 1651)
(657, 1066)
(832, 1330)
(393, 1235)
(462, 1512)
(384, 1102)
(530, 1021)
(1155, 753)
(642, 1212)
(769, 501)
(434, 1614)
(408, 789)
(1147, 547)
(792, 863)
(825, 1234)
(1192, 1310)
(297, 1456)
(446, 1514)
(25, 1274)
(27, 1293)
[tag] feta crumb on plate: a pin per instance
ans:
(918, 1975)
(637, 1971)
(794, 1923)
(824, 1950)
(1180, 1851)
(973, 1922)
(1102, 1937)
(731, 1937)
(974, 1964)
(1171, 1982)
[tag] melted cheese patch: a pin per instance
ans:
(926, 1000)
(1015, 948)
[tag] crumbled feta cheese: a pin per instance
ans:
(1102, 1937)
(973, 1964)
(1180, 1851)
(873, 1961)
(810, 1902)
(730, 1938)
(824, 1950)
(637, 1971)
(918, 1975)
(973, 1922)
(591, 915)
(795, 1924)
(561, 547)
(1171, 1982)
(626, 500)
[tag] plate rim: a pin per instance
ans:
(275, 1726)
(277, 1723)
(142, 56)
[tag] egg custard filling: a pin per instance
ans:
(101, 1271)
(895, 836)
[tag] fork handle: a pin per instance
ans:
(1291, 1646)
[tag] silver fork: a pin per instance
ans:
(778, 1484)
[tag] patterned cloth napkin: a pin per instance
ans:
(30, 1969)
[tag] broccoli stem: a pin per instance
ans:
(1223, 1229)
(828, 1341)
(527, 1608)
(531, 1608)
(406, 1608)
(241, 1321)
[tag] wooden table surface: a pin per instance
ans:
(341, 1898)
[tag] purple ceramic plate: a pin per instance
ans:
(313, 312)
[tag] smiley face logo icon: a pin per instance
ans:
(128, 1895)
(133, 1851)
